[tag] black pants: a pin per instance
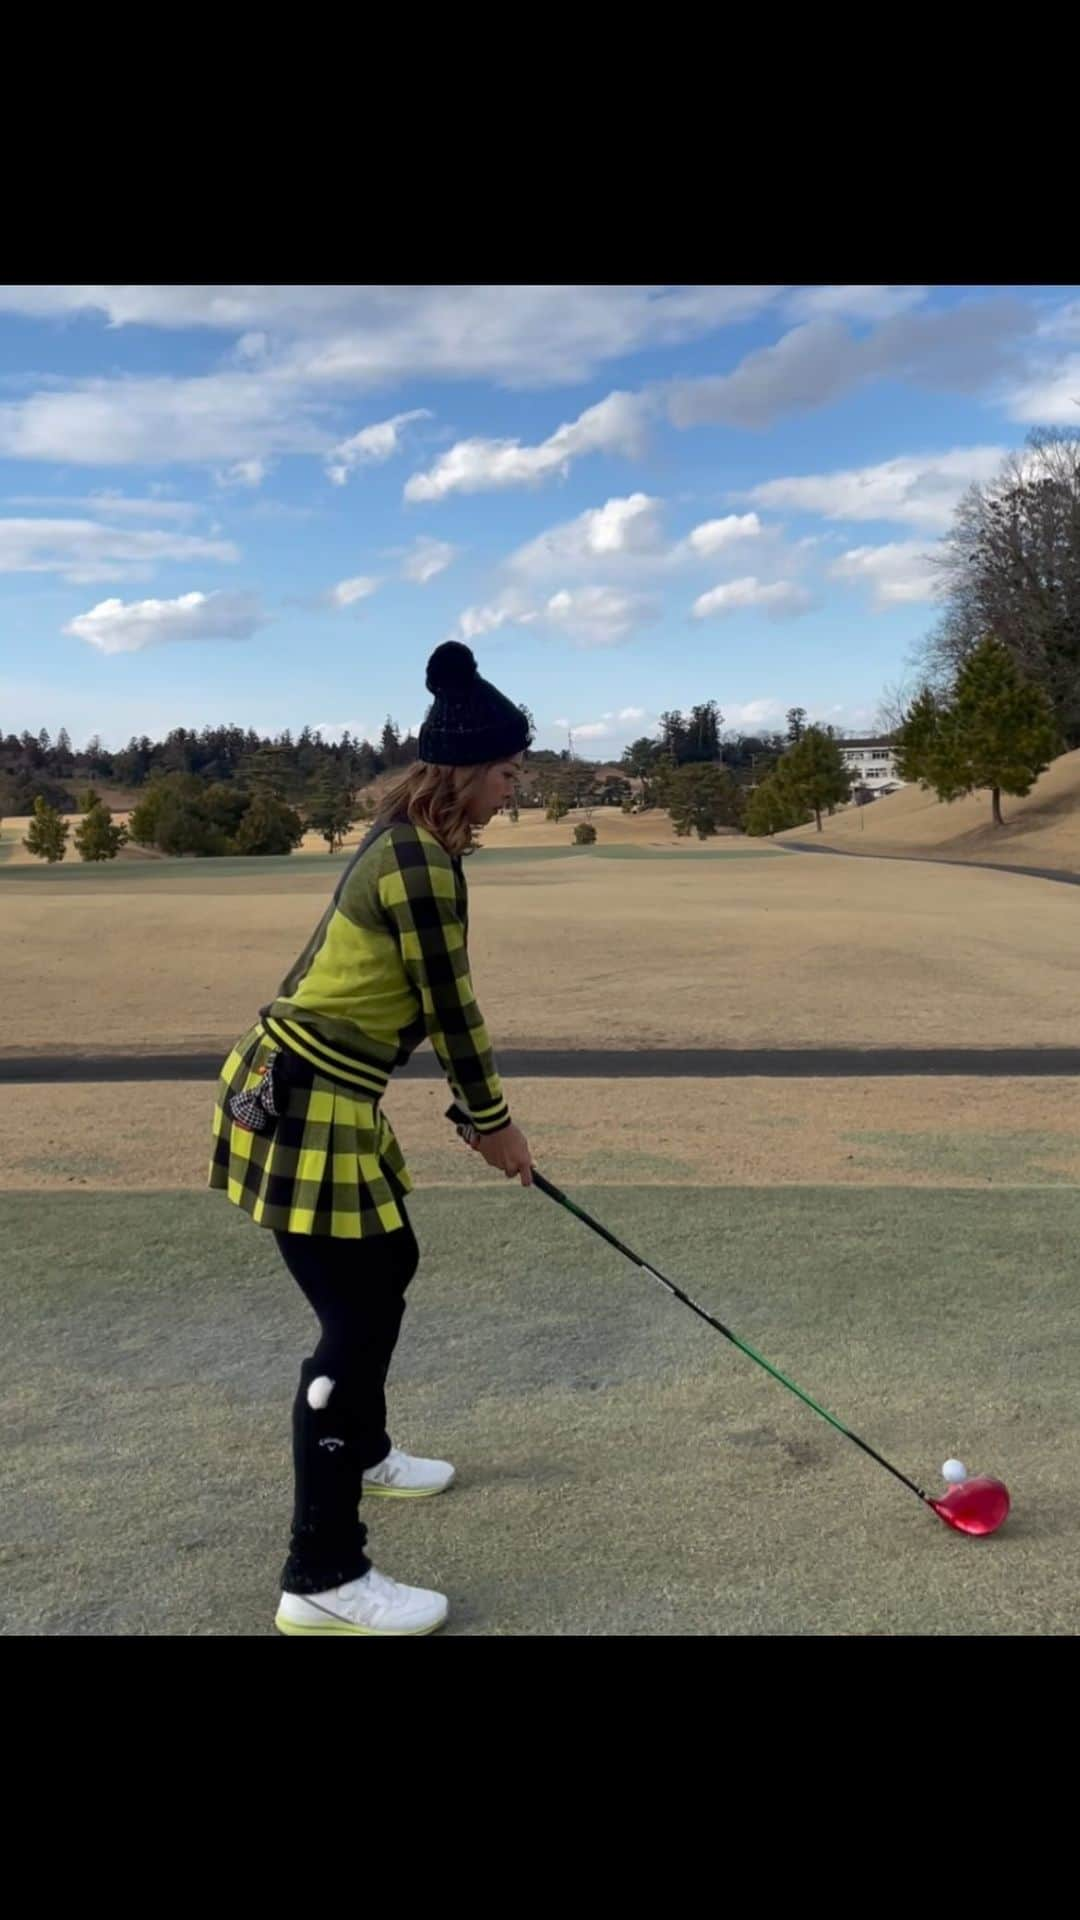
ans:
(357, 1289)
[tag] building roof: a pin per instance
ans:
(872, 741)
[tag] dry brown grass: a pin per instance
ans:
(780, 950)
(961, 1132)
(1042, 830)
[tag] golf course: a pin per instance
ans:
(835, 1099)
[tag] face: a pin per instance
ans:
(495, 790)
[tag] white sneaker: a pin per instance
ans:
(373, 1605)
(400, 1477)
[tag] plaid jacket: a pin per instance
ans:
(387, 967)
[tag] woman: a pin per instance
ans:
(301, 1143)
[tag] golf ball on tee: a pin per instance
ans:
(955, 1472)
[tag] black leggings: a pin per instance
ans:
(357, 1289)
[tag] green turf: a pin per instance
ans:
(622, 1469)
(1013, 1158)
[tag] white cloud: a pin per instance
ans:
(610, 726)
(333, 730)
(778, 599)
(1050, 397)
(897, 573)
(297, 351)
(85, 550)
(371, 446)
(629, 533)
(591, 616)
(754, 716)
(961, 348)
(114, 626)
(348, 592)
(620, 527)
(614, 425)
(137, 421)
(511, 608)
(598, 616)
(854, 303)
(920, 490)
(109, 505)
(426, 558)
(713, 535)
(363, 336)
(623, 526)
(243, 473)
(1061, 323)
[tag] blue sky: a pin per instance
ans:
(268, 504)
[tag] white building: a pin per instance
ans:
(872, 763)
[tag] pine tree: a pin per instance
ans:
(1005, 730)
(269, 826)
(814, 774)
(699, 798)
(331, 811)
(769, 809)
(96, 837)
(47, 832)
(927, 749)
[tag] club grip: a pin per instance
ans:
(468, 1132)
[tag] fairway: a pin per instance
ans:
(718, 950)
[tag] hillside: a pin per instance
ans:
(1042, 830)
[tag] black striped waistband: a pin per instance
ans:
(349, 1070)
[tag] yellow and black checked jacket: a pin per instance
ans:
(386, 967)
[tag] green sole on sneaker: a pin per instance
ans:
(402, 1493)
(343, 1632)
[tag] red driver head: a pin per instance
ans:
(974, 1506)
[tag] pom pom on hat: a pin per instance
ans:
(451, 669)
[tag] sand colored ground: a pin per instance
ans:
(909, 1132)
(1041, 830)
(730, 949)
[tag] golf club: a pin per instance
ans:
(971, 1506)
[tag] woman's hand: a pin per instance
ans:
(508, 1152)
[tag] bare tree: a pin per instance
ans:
(893, 703)
(1010, 568)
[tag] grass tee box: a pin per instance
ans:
(620, 1470)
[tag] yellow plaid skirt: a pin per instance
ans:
(329, 1164)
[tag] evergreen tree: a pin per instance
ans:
(47, 832)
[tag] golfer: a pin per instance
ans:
(302, 1144)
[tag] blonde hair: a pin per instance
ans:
(436, 798)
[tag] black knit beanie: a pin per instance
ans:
(469, 721)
